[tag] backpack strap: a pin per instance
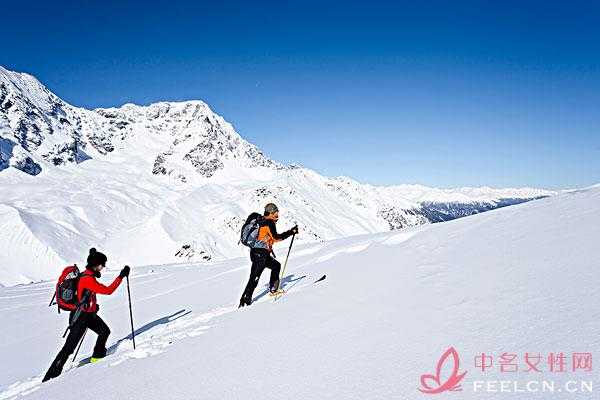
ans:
(78, 311)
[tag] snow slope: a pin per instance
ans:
(172, 182)
(517, 279)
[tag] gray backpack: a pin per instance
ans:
(249, 233)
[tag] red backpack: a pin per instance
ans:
(66, 288)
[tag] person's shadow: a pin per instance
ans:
(139, 331)
(283, 285)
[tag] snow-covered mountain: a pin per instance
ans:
(519, 280)
(39, 129)
(172, 182)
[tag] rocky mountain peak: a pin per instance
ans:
(39, 130)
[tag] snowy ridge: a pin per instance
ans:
(505, 281)
(180, 138)
(171, 182)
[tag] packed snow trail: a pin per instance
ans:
(519, 279)
(150, 285)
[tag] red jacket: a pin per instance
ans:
(88, 282)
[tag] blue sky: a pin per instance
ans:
(440, 93)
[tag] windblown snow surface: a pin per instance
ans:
(515, 280)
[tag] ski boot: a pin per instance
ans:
(245, 301)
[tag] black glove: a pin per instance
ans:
(124, 271)
(294, 230)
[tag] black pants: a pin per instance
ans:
(85, 321)
(261, 259)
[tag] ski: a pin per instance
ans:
(281, 292)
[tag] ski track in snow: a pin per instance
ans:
(158, 339)
(150, 343)
(182, 325)
(190, 325)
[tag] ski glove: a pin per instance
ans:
(124, 271)
(294, 230)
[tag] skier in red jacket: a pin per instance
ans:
(86, 316)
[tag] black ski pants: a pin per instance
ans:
(85, 321)
(261, 259)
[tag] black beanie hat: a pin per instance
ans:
(95, 258)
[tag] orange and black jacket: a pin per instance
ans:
(88, 282)
(267, 234)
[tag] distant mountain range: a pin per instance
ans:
(172, 182)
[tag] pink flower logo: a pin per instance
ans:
(432, 384)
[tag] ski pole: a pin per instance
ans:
(80, 343)
(287, 257)
(53, 297)
(130, 313)
(78, 311)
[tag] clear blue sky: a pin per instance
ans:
(448, 93)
